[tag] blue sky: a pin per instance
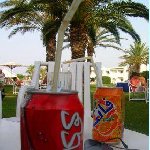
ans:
(27, 48)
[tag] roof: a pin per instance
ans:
(8, 73)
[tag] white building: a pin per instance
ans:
(117, 74)
(144, 67)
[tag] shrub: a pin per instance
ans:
(20, 76)
(106, 80)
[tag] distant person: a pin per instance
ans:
(2, 78)
(137, 82)
(143, 81)
(26, 80)
(17, 81)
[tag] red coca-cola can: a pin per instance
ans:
(52, 121)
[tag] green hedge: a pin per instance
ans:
(106, 80)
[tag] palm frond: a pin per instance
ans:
(22, 15)
(114, 13)
(112, 28)
(22, 30)
(130, 8)
(109, 45)
(9, 3)
(66, 46)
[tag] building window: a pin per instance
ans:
(114, 71)
(120, 78)
(120, 71)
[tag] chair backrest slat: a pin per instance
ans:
(36, 74)
(87, 96)
(50, 69)
(65, 67)
(79, 80)
(51, 66)
(99, 74)
(73, 71)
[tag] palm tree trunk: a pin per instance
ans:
(137, 67)
(51, 49)
(78, 40)
(90, 48)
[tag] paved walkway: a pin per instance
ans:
(10, 137)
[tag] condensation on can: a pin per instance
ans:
(52, 121)
(108, 115)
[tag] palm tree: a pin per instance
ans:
(23, 16)
(43, 72)
(30, 71)
(45, 16)
(135, 56)
(104, 39)
(109, 15)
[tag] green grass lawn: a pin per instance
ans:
(9, 106)
(137, 116)
(136, 112)
(9, 102)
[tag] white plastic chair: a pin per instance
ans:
(15, 88)
(137, 93)
(80, 81)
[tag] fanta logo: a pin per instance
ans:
(105, 117)
(103, 108)
(75, 121)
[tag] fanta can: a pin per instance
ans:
(108, 115)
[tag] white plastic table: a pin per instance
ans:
(10, 137)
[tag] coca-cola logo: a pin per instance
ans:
(75, 121)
